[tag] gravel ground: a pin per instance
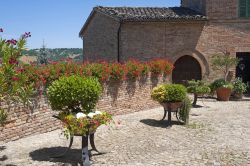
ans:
(218, 135)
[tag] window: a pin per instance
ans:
(244, 8)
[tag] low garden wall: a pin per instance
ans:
(117, 98)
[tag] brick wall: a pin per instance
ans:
(117, 98)
(100, 39)
(222, 9)
(233, 35)
(214, 9)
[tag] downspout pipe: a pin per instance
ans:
(118, 42)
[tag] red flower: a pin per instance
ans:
(14, 78)
(13, 61)
(20, 70)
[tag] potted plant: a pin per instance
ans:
(170, 96)
(198, 88)
(223, 89)
(224, 62)
(173, 97)
(239, 87)
(75, 98)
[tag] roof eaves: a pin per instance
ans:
(95, 10)
(86, 23)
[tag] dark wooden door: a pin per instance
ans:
(243, 68)
(186, 68)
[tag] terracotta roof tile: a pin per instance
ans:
(151, 13)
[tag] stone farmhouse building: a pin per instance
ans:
(188, 36)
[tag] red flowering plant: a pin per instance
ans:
(160, 66)
(13, 80)
(144, 69)
(133, 69)
(117, 71)
(98, 70)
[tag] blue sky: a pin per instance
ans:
(57, 22)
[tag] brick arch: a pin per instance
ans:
(194, 58)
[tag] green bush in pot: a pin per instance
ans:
(74, 93)
(224, 63)
(239, 87)
(173, 97)
(198, 88)
(75, 98)
(169, 93)
(223, 89)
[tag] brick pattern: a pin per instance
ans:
(100, 39)
(117, 98)
(214, 9)
(23, 122)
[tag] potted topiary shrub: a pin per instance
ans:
(198, 88)
(170, 96)
(224, 62)
(75, 98)
(223, 89)
(239, 87)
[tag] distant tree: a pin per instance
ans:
(43, 55)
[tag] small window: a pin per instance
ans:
(244, 8)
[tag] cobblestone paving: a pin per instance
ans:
(218, 135)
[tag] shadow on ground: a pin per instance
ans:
(73, 156)
(159, 123)
(4, 157)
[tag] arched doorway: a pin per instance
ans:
(186, 68)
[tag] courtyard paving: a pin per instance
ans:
(218, 135)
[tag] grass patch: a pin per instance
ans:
(195, 125)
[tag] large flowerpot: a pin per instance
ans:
(172, 106)
(223, 94)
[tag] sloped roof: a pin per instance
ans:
(144, 14)
(151, 13)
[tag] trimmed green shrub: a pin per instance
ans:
(169, 93)
(74, 94)
(198, 87)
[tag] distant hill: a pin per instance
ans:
(55, 54)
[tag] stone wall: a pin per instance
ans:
(117, 98)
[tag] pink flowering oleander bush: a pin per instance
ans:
(14, 83)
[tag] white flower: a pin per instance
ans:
(98, 113)
(91, 114)
(80, 115)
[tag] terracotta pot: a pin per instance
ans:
(172, 106)
(223, 94)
